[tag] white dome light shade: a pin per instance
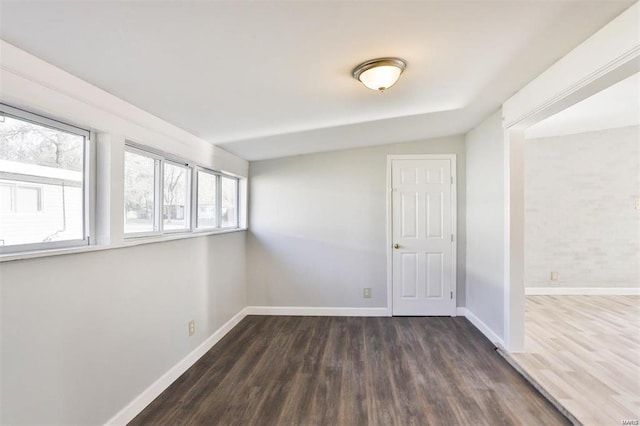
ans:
(379, 74)
(380, 78)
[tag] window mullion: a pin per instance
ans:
(159, 185)
(218, 201)
(194, 199)
(237, 221)
(188, 198)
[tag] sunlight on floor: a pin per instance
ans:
(585, 351)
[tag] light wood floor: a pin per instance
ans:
(585, 351)
(351, 371)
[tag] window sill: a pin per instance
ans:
(128, 242)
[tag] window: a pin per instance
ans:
(140, 174)
(45, 188)
(206, 213)
(229, 207)
(159, 199)
(216, 190)
(176, 201)
(157, 194)
(43, 184)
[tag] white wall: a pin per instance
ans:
(84, 334)
(318, 226)
(580, 216)
(485, 157)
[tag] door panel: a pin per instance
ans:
(435, 212)
(434, 281)
(422, 231)
(409, 275)
(409, 215)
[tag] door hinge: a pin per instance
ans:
(451, 295)
(451, 237)
(451, 180)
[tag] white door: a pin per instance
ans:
(422, 235)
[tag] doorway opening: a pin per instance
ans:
(581, 275)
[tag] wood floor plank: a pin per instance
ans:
(585, 351)
(351, 371)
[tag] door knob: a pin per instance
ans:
(396, 246)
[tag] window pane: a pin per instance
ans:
(175, 197)
(206, 213)
(41, 183)
(229, 214)
(139, 193)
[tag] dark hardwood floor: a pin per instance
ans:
(351, 371)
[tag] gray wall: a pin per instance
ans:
(486, 222)
(318, 226)
(84, 334)
(580, 217)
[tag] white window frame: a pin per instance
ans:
(157, 199)
(160, 159)
(188, 194)
(87, 181)
(191, 207)
(237, 185)
(196, 186)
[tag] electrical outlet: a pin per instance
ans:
(192, 327)
(367, 293)
(555, 276)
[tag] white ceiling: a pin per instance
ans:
(615, 106)
(271, 79)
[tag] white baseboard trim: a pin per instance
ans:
(582, 291)
(484, 329)
(318, 311)
(136, 406)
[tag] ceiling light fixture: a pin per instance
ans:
(379, 74)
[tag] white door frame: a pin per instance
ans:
(454, 223)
